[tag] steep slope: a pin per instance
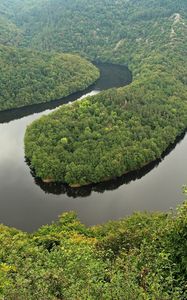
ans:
(28, 77)
(135, 258)
(10, 34)
(100, 30)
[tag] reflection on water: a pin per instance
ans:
(110, 76)
(27, 205)
(18, 113)
(85, 191)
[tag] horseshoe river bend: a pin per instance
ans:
(27, 203)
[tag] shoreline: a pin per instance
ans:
(76, 186)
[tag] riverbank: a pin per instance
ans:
(31, 77)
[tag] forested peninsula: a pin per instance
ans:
(30, 77)
(119, 130)
(142, 256)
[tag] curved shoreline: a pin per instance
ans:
(125, 128)
(45, 77)
(20, 112)
(148, 52)
(48, 181)
(77, 185)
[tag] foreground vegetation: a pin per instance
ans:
(140, 257)
(119, 130)
(30, 77)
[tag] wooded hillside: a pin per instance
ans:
(119, 130)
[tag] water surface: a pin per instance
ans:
(26, 203)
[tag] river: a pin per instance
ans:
(26, 203)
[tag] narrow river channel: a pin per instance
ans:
(26, 203)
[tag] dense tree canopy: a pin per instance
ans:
(120, 130)
(28, 77)
(103, 136)
(143, 256)
(135, 258)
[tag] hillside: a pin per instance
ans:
(142, 256)
(29, 77)
(135, 258)
(110, 31)
(121, 130)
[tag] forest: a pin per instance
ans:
(142, 256)
(119, 130)
(30, 77)
(137, 257)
